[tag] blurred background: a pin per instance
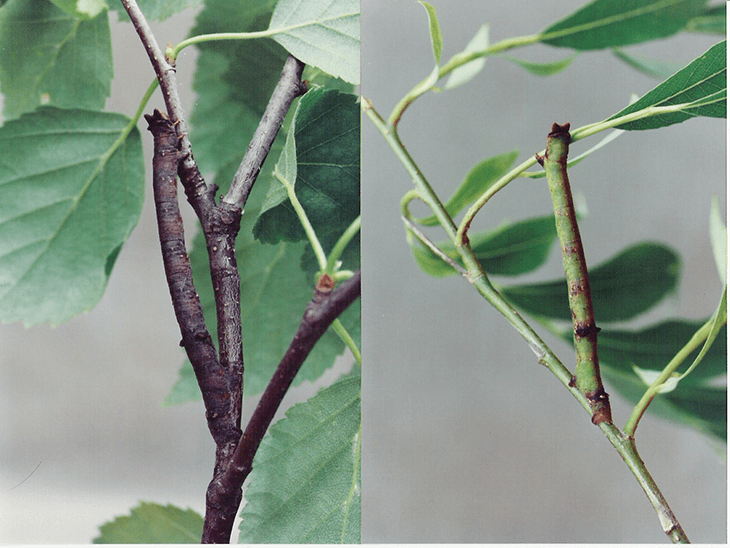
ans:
(466, 438)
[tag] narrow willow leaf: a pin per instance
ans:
(649, 377)
(229, 105)
(464, 73)
(609, 23)
(719, 319)
(305, 484)
(71, 191)
(477, 182)
(151, 523)
(326, 130)
(323, 34)
(623, 287)
(156, 10)
(718, 239)
(713, 21)
(701, 86)
(274, 294)
(53, 58)
(661, 70)
(543, 69)
(437, 40)
(510, 250)
(603, 142)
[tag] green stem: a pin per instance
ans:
(458, 60)
(340, 245)
(585, 332)
(348, 340)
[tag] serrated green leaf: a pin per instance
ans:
(326, 130)
(609, 23)
(234, 81)
(71, 191)
(82, 9)
(713, 21)
(718, 239)
(701, 86)
(510, 250)
(151, 523)
(461, 75)
(623, 287)
(543, 69)
(156, 10)
(437, 40)
(53, 58)
(323, 34)
(305, 484)
(660, 70)
(477, 182)
(274, 294)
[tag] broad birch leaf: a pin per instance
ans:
(234, 81)
(326, 133)
(323, 33)
(482, 176)
(701, 85)
(305, 484)
(71, 191)
(510, 250)
(461, 75)
(274, 294)
(151, 523)
(623, 287)
(51, 57)
(155, 10)
(82, 9)
(609, 23)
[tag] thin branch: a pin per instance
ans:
(287, 89)
(326, 305)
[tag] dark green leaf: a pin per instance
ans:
(325, 35)
(622, 288)
(327, 137)
(701, 85)
(609, 23)
(234, 81)
(81, 9)
(274, 294)
(50, 57)
(660, 70)
(477, 182)
(713, 21)
(71, 191)
(510, 250)
(305, 485)
(543, 69)
(156, 10)
(151, 523)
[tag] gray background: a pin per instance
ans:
(466, 437)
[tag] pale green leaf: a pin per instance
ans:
(305, 484)
(648, 376)
(477, 181)
(437, 40)
(718, 239)
(461, 75)
(719, 319)
(660, 70)
(609, 23)
(699, 89)
(543, 69)
(50, 57)
(151, 523)
(71, 191)
(82, 9)
(325, 34)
